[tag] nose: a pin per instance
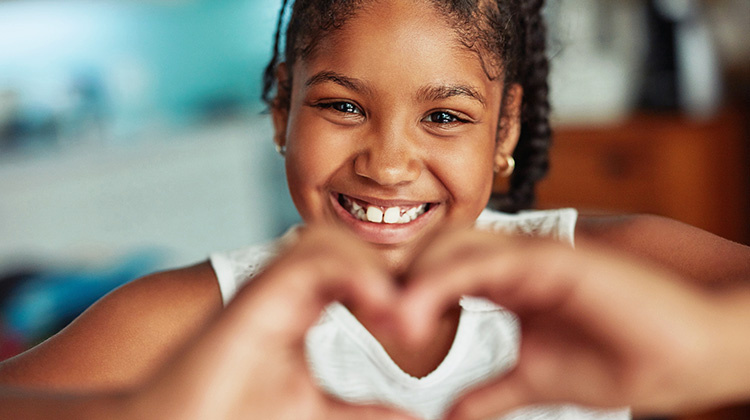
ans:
(389, 159)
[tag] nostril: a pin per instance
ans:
(387, 169)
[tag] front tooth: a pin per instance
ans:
(392, 214)
(374, 214)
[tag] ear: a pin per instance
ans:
(280, 106)
(509, 127)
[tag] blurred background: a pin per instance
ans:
(132, 137)
(651, 102)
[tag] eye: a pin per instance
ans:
(341, 106)
(443, 117)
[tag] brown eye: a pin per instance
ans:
(343, 107)
(444, 118)
(441, 117)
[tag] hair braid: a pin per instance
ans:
(269, 75)
(531, 154)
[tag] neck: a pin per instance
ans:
(419, 361)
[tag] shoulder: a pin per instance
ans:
(639, 229)
(125, 335)
(686, 249)
(168, 299)
(557, 224)
(235, 268)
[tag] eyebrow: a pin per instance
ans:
(339, 79)
(427, 93)
(438, 92)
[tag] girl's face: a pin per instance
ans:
(392, 129)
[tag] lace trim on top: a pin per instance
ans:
(554, 224)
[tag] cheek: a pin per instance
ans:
(467, 173)
(313, 157)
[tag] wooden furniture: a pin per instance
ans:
(670, 165)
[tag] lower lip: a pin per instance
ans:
(382, 233)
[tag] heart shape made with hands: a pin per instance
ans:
(415, 324)
(557, 360)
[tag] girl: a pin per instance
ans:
(393, 118)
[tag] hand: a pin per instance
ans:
(250, 362)
(597, 329)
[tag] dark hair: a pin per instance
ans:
(508, 35)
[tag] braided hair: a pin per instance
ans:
(510, 37)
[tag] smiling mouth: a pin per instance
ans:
(377, 214)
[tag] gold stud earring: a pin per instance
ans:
(510, 166)
(281, 149)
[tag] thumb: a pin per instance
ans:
(491, 399)
(340, 410)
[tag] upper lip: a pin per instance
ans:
(393, 202)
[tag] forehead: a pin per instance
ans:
(400, 41)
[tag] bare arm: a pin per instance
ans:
(15, 403)
(123, 337)
(691, 252)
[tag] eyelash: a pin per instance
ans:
(335, 106)
(455, 119)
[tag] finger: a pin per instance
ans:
(322, 267)
(338, 410)
(349, 275)
(491, 400)
(442, 247)
(520, 275)
(435, 289)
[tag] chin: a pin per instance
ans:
(398, 258)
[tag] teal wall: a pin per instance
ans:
(147, 62)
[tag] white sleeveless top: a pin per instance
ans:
(350, 363)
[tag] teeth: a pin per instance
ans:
(392, 214)
(375, 214)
